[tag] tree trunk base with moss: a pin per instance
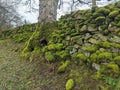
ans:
(38, 39)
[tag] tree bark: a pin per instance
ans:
(47, 11)
(93, 3)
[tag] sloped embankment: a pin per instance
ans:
(91, 37)
(85, 45)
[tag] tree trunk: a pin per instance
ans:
(93, 3)
(47, 10)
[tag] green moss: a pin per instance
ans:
(91, 48)
(114, 67)
(105, 56)
(62, 54)
(97, 75)
(116, 45)
(117, 18)
(57, 46)
(100, 19)
(114, 13)
(51, 47)
(93, 57)
(105, 32)
(103, 27)
(103, 11)
(81, 56)
(63, 67)
(95, 15)
(70, 84)
(31, 44)
(118, 24)
(76, 75)
(106, 44)
(49, 56)
(117, 60)
(113, 24)
(98, 52)
(44, 49)
(57, 37)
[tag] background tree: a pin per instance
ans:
(47, 10)
(9, 17)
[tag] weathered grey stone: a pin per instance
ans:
(68, 38)
(96, 66)
(102, 49)
(67, 43)
(73, 51)
(87, 54)
(93, 41)
(114, 50)
(76, 46)
(75, 38)
(118, 4)
(103, 38)
(87, 36)
(112, 29)
(78, 16)
(84, 28)
(84, 47)
(99, 28)
(114, 39)
(91, 29)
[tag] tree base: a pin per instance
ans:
(38, 39)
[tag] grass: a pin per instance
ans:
(19, 74)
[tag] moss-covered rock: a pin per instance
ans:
(114, 67)
(57, 46)
(105, 56)
(93, 57)
(49, 56)
(106, 44)
(104, 11)
(91, 48)
(117, 60)
(113, 13)
(63, 67)
(62, 54)
(80, 56)
(70, 84)
(100, 19)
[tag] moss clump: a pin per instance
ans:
(117, 18)
(100, 19)
(70, 84)
(117, 60)
(81, 56)
(106, 44)
(114, 13)
(95, 15)
(93, 57)
(116, 45)
(63, 67)
(76, 75)
(49, 56)
(91, 49)
(114, 67)
(62, 54)
(35, 41)
(105, 56)
(97, 75)
(103, 11)
(57, 46)
(31, 44)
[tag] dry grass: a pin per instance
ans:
(19, 74)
